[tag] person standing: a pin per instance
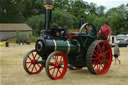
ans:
(116, 53)
(105, 32)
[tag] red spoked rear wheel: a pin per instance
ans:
(56, 65)
(29, 63)
(99, 57)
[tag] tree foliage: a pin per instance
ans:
(63, 19)
(37, 23)
(118, 18)
(66, 14)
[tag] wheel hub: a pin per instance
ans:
(59, 66)
(33, 61)
(101, 57)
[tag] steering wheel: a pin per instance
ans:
(88, 29)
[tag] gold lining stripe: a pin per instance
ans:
(48, 6)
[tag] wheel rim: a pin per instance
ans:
(56, 65)
(30, 64)
(102, 57)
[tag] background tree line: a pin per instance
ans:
(66, 14)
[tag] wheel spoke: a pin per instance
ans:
(60, 58)
(32, 68)
(52, 64)
(51, 68)
(28, 62)
(101, 65)
(57, 72)
(98, 68)
(96, 52)
(35, 55)
(36, 68)
(96, 55)
(57, 58)
(38, 58)
(99, 48)
(29, 58)
(105, 56)
(96, 64)
(62, 62)
(39, 65)
(54, 58)
(107, 52)
(29, 66)
(106, 61)
(53, 71)
(62, 67)
(95, 58)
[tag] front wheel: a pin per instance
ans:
(99, 57)
(56, 65)
(29, 62)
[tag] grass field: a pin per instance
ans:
(12, 72)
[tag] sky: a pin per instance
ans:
(108, 3)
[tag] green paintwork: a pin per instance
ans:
(61, 45)
(67, 47)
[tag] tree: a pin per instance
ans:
(91, 8)
(118, 18)
(17, 11)
(37, 23)
(100, 10)
(116, 23)
(61, 4)
(96, 21)
(11, 11)
(33, 7)
(64, 19)
(78, 8)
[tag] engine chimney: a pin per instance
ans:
(48, 4)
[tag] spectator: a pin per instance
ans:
(116, 53)
(105, 32)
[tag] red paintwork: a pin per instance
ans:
(102, 58)
(30, 63)
(71, 36)
(55, 71)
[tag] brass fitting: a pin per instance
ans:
(48, 6)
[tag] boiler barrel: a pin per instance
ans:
(48, 46)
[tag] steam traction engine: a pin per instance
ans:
(57, 50)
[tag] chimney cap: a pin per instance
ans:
(48, 2)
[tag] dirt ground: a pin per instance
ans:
(12, 72)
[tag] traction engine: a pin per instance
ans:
(57, 50)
